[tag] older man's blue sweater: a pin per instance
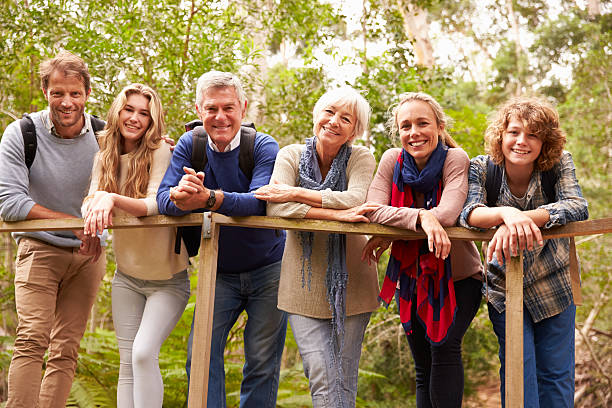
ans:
(240, 249)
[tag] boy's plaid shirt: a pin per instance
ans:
(546, 286)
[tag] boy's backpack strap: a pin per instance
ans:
(548, 179)
(493, 182)
(28, 131)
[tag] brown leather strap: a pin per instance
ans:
(575, 273)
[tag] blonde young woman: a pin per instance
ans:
(436, 281)
(150, 286)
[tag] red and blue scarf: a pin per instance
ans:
(418, 270)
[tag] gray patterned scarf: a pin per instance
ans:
(336, 275)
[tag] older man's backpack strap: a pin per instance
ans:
(246, 161)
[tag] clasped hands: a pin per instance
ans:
(190, 194)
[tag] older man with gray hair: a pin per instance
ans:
(249, 260)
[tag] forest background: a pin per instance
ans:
(470, 55)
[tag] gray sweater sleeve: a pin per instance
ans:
(15, 200)
(57, 180)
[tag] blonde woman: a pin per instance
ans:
(436, 281)
(150, 286)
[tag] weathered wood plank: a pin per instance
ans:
(589, 227)
(204, 310)
(514, 332)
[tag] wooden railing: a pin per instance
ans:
(205, 293)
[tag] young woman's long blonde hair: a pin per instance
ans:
(110, 145)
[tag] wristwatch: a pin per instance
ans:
(212, 199)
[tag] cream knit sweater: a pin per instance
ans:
(362, 286)
(144, 253)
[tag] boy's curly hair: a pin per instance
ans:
(538, 117)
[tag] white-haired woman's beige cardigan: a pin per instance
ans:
(295, 296)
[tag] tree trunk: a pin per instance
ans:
(517, 46)
(364, 63)
(417, 29)
(594, 8)
(258, 69)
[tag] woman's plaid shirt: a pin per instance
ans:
(546, 285)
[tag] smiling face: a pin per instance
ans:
(134, 121)
(418, 130)
(66, 96)
(520, 147)
(335, 125)
(221, 113)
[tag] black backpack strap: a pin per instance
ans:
(198, 150)
(192, 125)
(177, 240)
(28, 131)
(97, 124)
(548, 179)
(246, 157)
(493, 183)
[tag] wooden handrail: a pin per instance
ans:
(589, 227)
(208, 267)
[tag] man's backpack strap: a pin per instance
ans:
(97, 124)
(28, 131)
(246, 157)
(493, 182)
(198, 151)
(246, 162)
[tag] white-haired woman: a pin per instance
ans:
(327, 291)
(150, 286)
(424, 184)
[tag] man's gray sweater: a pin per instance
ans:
(58, 178)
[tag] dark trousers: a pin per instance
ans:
(439, 370)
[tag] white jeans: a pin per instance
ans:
(144, 314)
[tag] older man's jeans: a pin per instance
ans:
(255, 292)
(332, 378)
(548, 358)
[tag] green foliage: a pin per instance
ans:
(88, 394)
(97, 370)
(290, 95)
(168, 44)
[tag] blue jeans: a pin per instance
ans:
(331, 385)
(548, 355)
(264, 336)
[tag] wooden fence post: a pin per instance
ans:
(514, 332)
(204, 310)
